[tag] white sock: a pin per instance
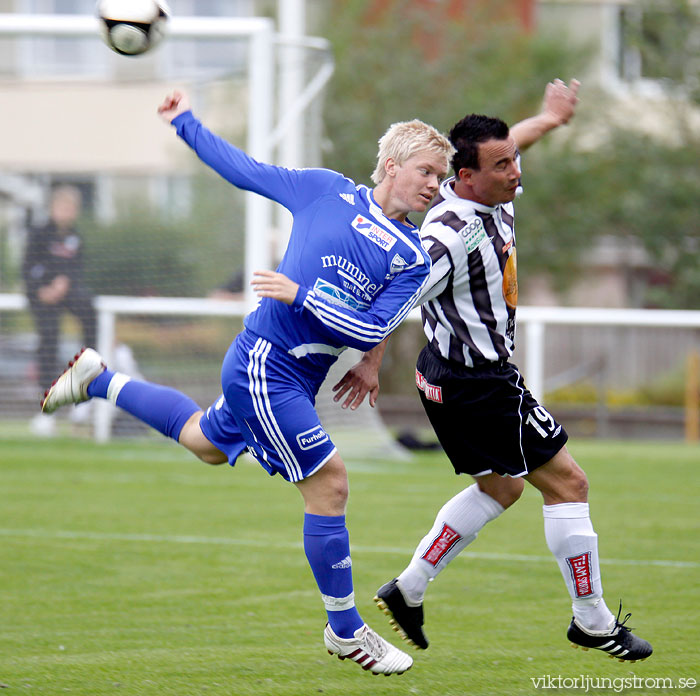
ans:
(116, 384)
(455, 527)
(570, 537)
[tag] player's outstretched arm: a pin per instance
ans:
(558, 108)
(173, 105)
(292, 188)
(361, 379)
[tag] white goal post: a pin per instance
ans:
(263, 133)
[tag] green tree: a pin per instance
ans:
(634, 187)
(144, 252)
(664, 34)
(630, 185)
(425, 67)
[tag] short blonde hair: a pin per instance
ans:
(405, 139)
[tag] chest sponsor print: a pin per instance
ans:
(351, 276)
(373, 232)
(338, 296)
(474, 235)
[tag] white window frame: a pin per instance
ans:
(187, 54)
(38, 57)
(623, 64)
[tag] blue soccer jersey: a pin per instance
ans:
(359, 274)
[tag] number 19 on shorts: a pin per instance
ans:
(541, 420)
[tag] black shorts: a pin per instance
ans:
(485, 418)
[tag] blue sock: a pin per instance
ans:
(327, 547)
(163, 408)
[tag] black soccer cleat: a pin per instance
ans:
(620, 642)
(406, 621)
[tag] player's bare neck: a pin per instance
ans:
(383, 200)
(463, 190)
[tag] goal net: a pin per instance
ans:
(154, 224)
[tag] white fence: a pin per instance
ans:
(536, 319)
(533, 320)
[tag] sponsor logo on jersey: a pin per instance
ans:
(338, 296)
(580, 568)
(510, 328)
(341, 565)
(432, 392)
(398, 263)
(374, 232)
(352, 276)
(510, 281)
(312, 438)
(349, 197)
(441, 545)
(474, 235)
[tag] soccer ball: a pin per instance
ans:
(132, 27)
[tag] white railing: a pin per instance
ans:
(533, 319)
(536, 319)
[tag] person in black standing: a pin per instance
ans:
(53, 277)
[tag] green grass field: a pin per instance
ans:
(131, 568)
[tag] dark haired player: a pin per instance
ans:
(488, 423)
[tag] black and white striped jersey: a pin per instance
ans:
(469, 301)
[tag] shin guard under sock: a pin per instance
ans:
(327, 547)
(163, 408)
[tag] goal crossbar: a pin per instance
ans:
(263, 133)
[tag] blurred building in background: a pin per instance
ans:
(78, 113)
(75, 112)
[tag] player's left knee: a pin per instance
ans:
(218, 458)
(336, 494)
(577, 482)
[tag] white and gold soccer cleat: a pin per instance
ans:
(369, 650)
(71, 386)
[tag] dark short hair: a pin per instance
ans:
(468, 133)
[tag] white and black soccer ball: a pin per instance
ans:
(132, 27)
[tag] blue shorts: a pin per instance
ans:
(268, 408)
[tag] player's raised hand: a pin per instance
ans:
(173, 105)
(560, 100)
(274, 285)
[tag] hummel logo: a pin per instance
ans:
(349, 197)
(345, 563)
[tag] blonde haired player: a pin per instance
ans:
(352, 271)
